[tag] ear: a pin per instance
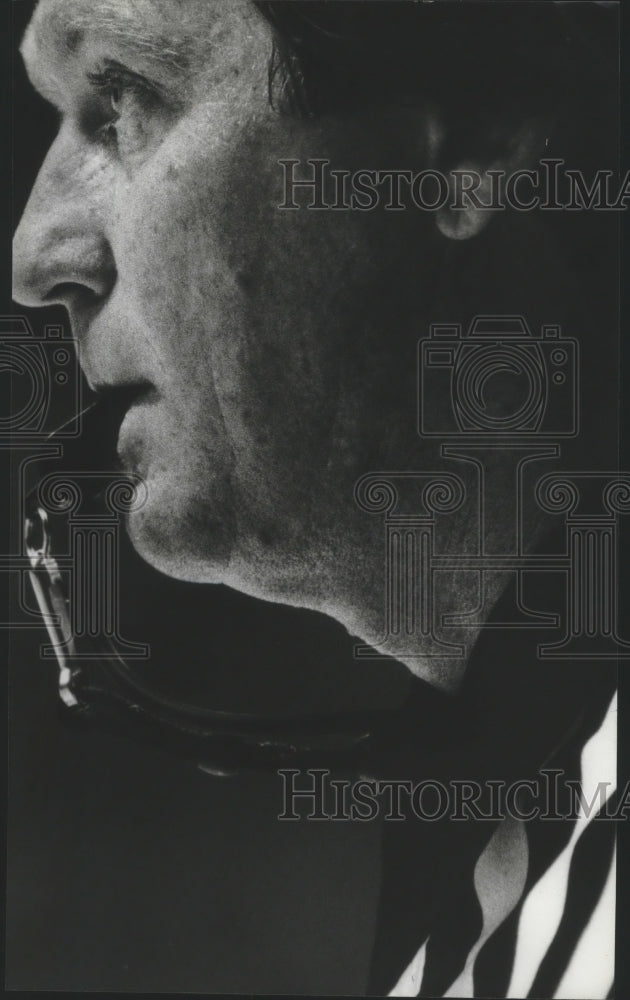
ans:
(477, 180)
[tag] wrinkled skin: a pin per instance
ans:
(279, 346)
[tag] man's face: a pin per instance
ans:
(277, 348)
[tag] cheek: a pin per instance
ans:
(211, 271)
(261, 320)
(173, 278)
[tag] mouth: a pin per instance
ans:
(113, 403)
(91, 454)
(117, 398)
(94, 449)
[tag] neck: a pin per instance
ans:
(409, 597)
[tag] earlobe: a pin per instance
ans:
(464, 215)
(475, 190)
(453, 222)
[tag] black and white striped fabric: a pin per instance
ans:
(517, 908)
(547, 945)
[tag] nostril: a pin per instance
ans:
(80, 301)
(68, 293)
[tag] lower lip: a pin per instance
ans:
(132, 443)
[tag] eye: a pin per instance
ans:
(115, 95)
(122, 98)
(111, 85)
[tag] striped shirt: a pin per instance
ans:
(516, 907)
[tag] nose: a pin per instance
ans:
(60, 250)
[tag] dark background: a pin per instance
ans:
(128, 870)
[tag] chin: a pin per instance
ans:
(180, 539)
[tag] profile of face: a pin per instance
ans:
(273, 351)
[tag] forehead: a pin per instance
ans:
(177, 33)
